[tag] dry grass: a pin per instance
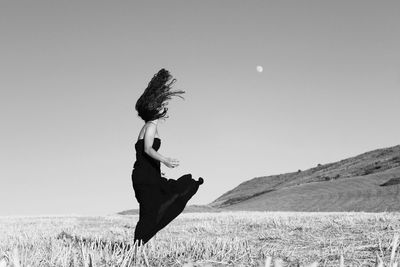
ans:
(204, 239)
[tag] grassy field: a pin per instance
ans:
(202, 239)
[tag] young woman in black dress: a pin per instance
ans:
(160, 199)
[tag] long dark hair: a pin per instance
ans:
(155, 96)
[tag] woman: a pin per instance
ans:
(160, 199)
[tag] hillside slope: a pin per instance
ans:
(367, 182)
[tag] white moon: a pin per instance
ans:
(259, 68)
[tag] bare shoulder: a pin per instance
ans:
(148, 128)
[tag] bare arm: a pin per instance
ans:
(149, 150)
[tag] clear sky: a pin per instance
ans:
(71, 72)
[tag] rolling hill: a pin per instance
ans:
(367, 182)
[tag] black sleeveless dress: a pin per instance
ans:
(160, 200)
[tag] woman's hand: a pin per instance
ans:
(171, 163)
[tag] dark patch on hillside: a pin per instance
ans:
(380, 166)
(232, 201)
(393, 181)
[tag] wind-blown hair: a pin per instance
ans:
(155, 96)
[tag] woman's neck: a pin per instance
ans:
(154, 121)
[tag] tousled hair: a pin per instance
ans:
(155, 96)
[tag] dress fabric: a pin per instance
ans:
(160, 199)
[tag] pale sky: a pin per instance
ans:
(71, 72)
